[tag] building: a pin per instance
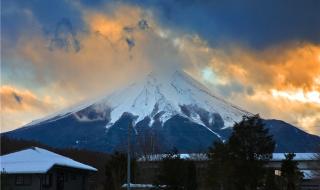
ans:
(148, 168)
(308, 165)
(39, 169)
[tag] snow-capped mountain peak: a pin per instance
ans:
(162, 96)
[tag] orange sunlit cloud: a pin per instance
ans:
(94, 67)
(14, 100)
(21, 106)
(285, 66)
(106, 27)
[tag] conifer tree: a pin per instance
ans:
(116, 171)
(191, 175)
(240, 162)
(272, 180)
(177, 173)
(251, 147)
(290, 172)
(220, 168)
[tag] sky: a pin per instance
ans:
(263, 56)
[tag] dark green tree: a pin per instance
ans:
(290, 173)
(251, 147)
(191, 175)
(116, 171)
(272, 180)
(220, 168)
(177, 173)
(240, 162)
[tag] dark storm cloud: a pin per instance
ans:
(64, 37)
(258, 23)
(21, 17)
(255, 23)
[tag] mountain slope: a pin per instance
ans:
(167, 111)
(292, 138)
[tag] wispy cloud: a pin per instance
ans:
(15, 100)
(20, 106)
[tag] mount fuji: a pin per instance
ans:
(164, 112)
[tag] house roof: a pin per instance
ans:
(37, 160)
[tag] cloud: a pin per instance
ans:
(310, 123)
(284, 67)
(20, 106)
(104, 60)
(300, 114)
(64, 37)
(257, 23)
(293, 65)
(14, 100)
(17, 16)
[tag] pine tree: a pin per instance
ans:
(272, 181)
(240, 162)
(290, 172)
(220, 168)
(177, 173)
(116, 171)
(191, 175)
(251, 147)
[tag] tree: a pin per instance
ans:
(116, 171)
(290, 172)
(148, 143)
(251, 147)
(177, 173)
(272, 180)
(240, 162)
(191, 175)
(219, 174)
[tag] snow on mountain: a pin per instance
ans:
(157, 95)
